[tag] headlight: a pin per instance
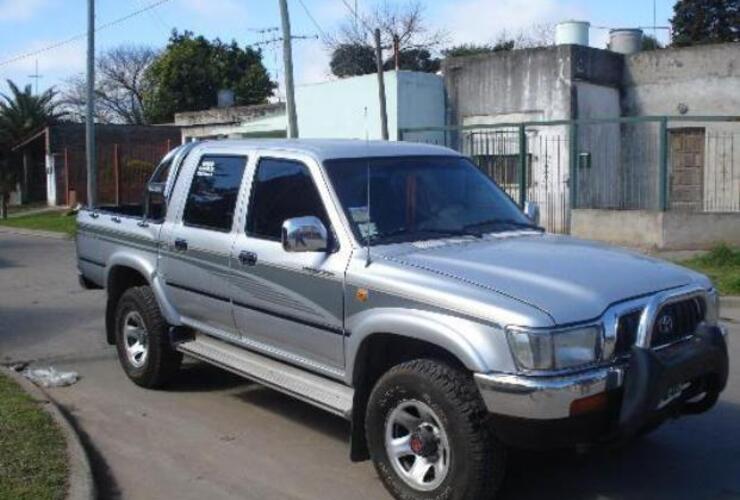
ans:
(554, 349)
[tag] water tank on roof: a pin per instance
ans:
(572, 33)
(625, 40)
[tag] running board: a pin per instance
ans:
(319, 391)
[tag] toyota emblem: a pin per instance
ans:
(665, 324)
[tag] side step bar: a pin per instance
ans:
(319, 391)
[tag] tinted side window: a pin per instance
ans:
(282, 189)
(213, 192)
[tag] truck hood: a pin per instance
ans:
(569, 279)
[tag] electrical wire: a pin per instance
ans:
(315, 23)
(80, 36)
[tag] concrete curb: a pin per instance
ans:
(34, 232)
(729, 301)
(81, 483)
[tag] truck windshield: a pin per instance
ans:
(420, 198)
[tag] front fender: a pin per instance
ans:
(479, 347)
(146, 266)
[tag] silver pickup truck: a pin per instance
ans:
(396, 285)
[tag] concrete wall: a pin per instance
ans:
(532, 84)
(262, 120)
(670, 230)
(705, 78)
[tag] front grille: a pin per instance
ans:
(677, 320)
(683, 318)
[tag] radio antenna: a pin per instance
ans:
(367, 175)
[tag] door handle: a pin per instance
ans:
(247, 258)
(181, 245)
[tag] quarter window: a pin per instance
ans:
(282, 189)
(213, 192)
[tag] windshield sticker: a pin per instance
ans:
(360, 215)
(206, 169)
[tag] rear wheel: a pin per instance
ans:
(142, 339)
(429, 436)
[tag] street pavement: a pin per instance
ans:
(213, 435)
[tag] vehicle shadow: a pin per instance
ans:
(197, 376)
(332, 426)
(691, 458)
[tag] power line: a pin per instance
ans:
(82, 35)
(316, 24)
(355, 13)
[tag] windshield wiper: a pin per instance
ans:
(508, 222)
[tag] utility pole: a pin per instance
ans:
(381, 86)
(92, 174)
(288, 71)
(36, 76)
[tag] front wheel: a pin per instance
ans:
(142, 339)
(429, 435)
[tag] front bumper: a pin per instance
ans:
(637, 390)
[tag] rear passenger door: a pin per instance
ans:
(197, 247)
(288, 304)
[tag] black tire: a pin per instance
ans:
(477, 458)
(161, 362)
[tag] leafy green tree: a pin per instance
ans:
(705, 21)
(191, 70)
(21, 113)
(649, 42)
(401, 23)
(414, 60)
(471, 49)
(352, 59)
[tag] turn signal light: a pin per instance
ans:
(591, 404)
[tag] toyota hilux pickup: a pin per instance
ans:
(396, 285)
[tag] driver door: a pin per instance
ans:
(288, 304)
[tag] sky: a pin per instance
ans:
(29, 25)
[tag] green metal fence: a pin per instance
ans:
(689, 163)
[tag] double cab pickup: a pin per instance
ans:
(398, 286)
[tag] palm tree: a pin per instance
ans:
(21, 113)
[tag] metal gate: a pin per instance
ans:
(689, 163)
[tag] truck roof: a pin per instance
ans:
(326, 149)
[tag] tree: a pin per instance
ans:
(189, 73)
(705, 21)
(649, 42)
(120, 86)
(414, 60)
(352, 59)
(399, 22)
(21, 113)
(536, 35)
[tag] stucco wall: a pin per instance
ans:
(671, 230)
(337, 108)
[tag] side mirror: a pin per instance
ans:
(305, 234)
(532, 211)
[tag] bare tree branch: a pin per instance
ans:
(119, 88)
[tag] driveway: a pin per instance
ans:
(215, 436)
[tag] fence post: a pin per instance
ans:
(522, 165)
(116, 175)
(573, 164)
(663, 165)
